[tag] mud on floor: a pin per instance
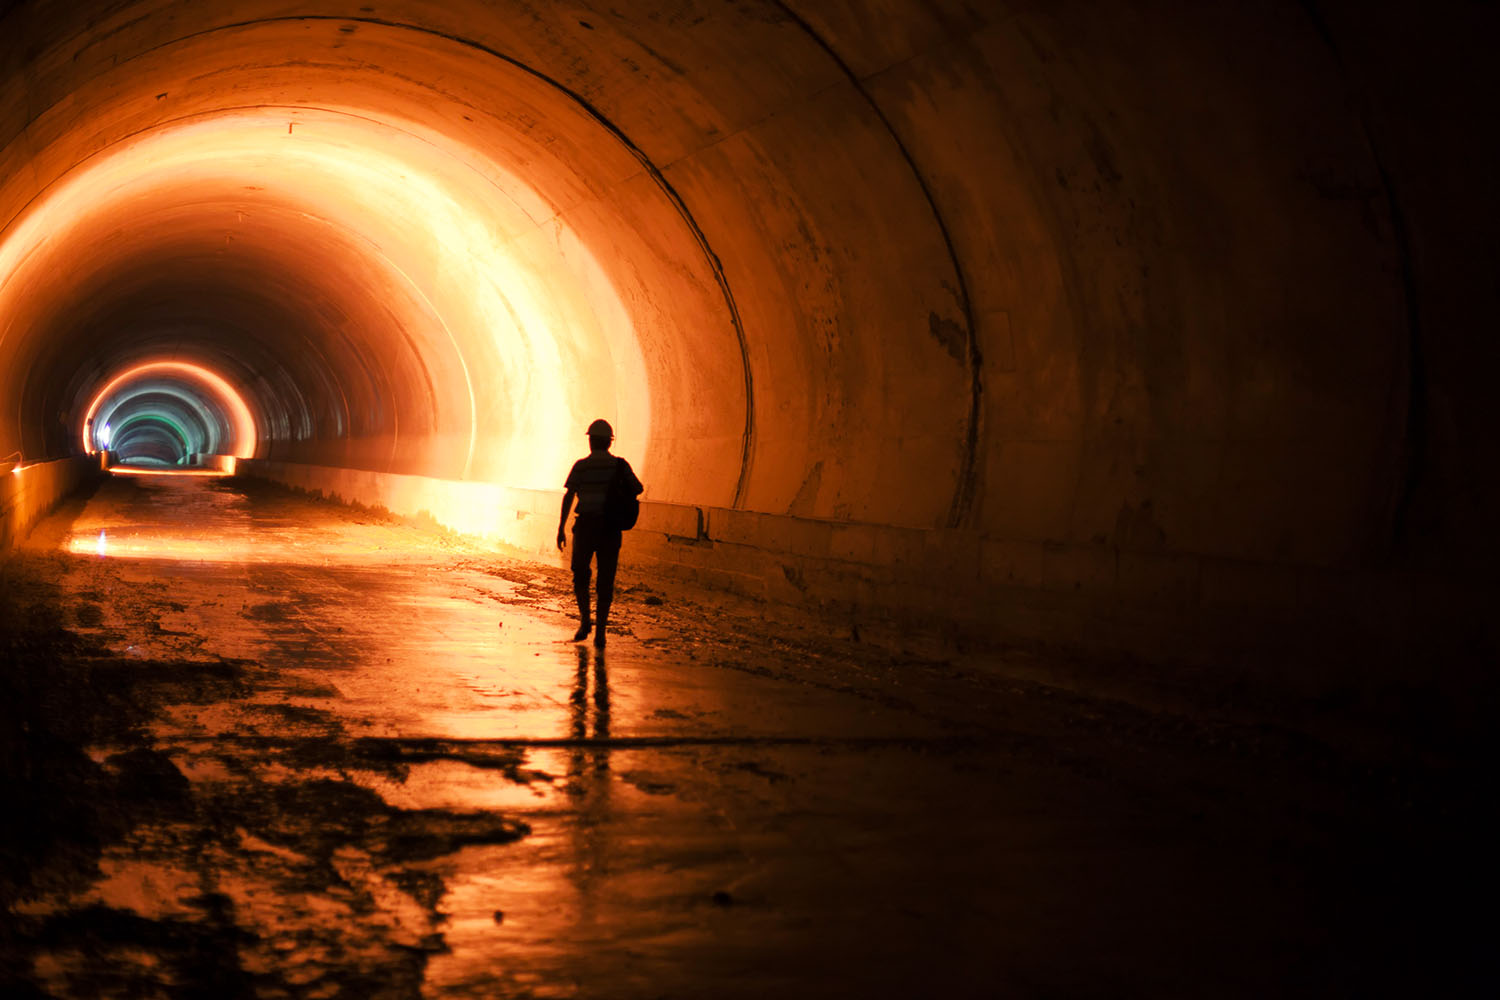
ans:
(272, 873)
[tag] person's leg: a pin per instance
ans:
(608, 549)
(584, 542)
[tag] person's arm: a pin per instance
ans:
(562, 521)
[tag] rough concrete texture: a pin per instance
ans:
(261, 745)
(29, 492)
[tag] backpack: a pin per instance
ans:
(621, 507)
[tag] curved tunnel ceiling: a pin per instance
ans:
(182, 410)
(1045, 272)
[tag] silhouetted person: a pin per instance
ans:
(589, 482)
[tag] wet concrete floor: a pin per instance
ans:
(258, 745)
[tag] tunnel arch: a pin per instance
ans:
(589, 285)
(157, 437)
(1112, 301)
(206, 414)
(719, 475)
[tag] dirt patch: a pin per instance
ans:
(89, 615)
(272, 611)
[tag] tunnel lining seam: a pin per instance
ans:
(1411, 398)
(961, 509)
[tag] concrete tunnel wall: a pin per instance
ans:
(1106, 320)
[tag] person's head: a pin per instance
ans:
(600, 435)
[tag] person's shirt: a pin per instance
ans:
(590, 478)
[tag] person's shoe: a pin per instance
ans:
(583, 632)
(599, 638)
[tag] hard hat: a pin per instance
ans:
(601, 429)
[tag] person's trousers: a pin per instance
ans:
(593, 540)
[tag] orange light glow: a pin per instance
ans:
(353, 545)
(128, 470)
(524, 336)
(244, 423)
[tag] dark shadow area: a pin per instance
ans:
(59, 697)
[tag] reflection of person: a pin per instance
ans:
(593, 539)
(580, 706)
(588, 786)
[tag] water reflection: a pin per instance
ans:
(580, 710)
(589, 780)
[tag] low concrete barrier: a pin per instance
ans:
(1161, 605)
(29, 492)
(216, 463)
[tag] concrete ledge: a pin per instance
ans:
(217, 463)
(673, 520)
(1163, 605)
(30, 492)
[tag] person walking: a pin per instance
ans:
(590, 482)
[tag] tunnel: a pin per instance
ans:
(1081, 307)
(1157, 334)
